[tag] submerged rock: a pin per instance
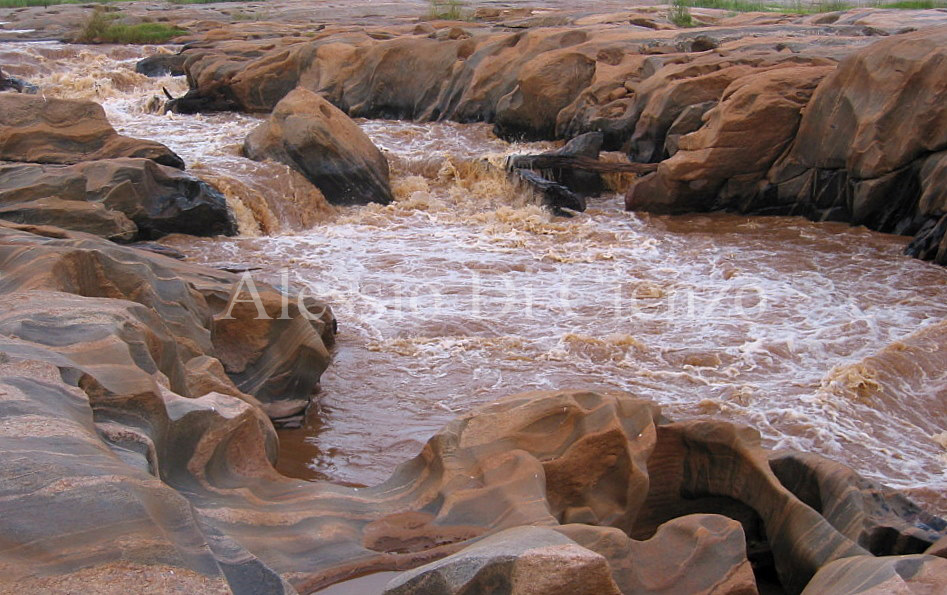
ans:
(160, 65)
(312, 136)
(12, 83)
(119, 199)
(46, 130)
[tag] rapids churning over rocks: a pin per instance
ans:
(822, 336)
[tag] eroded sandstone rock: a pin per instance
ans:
(317, 139)
(119, 199)
(520, 561)
(269, 348)
(604, 469)
(739, 141)
(37, 129)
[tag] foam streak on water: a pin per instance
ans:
(822, 336)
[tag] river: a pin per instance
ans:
(822, 336)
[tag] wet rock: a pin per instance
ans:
(160, 65)
(119, 199)
(317, 139)
(597, 467)
(12, 83)
(546, 85)
(88, 217)
(538, 82)
(47, 130)
(741, 138)
(865, 117)
(520, 561)
(690, 120)
(584, 182)
(939, 548)
(553, 195)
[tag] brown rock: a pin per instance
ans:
(742, 137)
(698, 553)
(545, 86)
(120, 199)
(46, 130)
(881, 576)
(519, 561)
(275, 358)
(884, 107)
(317, 139)
(938, 549)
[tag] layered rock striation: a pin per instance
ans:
(62, 164)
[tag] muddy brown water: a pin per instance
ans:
(822, 336)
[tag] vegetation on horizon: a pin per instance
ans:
(680, 13)
(48, 3)
(101, 28)
(813, 6)
(446, 10)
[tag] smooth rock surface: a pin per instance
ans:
(38, 129)
(119, 199)
(519, 561)
(317, 139)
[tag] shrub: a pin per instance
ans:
(446, 10)
(680, 14)
(100, 28)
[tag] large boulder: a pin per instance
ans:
(317, 139)
(739, 141)
(545, 86)
(38, 129)
(884, 107)
(119, 199)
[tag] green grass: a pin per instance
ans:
(814, 6)
(140, 33)
(201, 1)
(446, 10)
(680, 13)
(47, 3)
(101, 28)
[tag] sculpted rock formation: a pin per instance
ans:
(739, 140)
(312, 136)
(71, 169)
(138, 393)
(119, 199)
(45, 130)
(539, 82)
(726, 109)
(517, 561)
(867, 148)
(269, 348)
(178, 472)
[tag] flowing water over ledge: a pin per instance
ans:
(822, 336)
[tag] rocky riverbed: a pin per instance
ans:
(269, 291)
